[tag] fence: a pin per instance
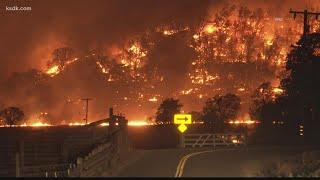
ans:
(212, 140)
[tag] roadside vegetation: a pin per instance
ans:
(306, 164)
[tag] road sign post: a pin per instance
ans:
(182, 120)
(181, 140)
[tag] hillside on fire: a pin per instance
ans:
(135, 62)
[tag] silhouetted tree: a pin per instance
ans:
(61, 56)
(221, 108)
(167, 109)
(196, 116)
(302, 85)
(263, 106)
(12, 115)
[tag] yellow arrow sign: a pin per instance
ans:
(182, 119)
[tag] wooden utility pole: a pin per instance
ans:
(87, 107)
(306, 15)
(306, 31)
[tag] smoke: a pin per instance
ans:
(28, 37)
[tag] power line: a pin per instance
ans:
(306, 14)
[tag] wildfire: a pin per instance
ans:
(317, 52)
(168, 32)
(54, 70)
(136, 49)
(277, 90)
(103, 69)
(104, 124)
(236, 122)
(243, 120)
(76, 124)
(138, 123)
(234, 39)
(39, 124)
(196, 36)
(185, 92)
(153, 99)
(241, 89)
(268, 40)
(210, 28)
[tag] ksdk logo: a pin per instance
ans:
(12, 8)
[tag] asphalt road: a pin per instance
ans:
(219, 163)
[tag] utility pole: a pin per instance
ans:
(306, 31)
(306, 14)
(87, 107)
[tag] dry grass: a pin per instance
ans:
(306, 164)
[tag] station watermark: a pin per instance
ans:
(18, 8)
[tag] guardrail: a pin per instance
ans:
(205, 140)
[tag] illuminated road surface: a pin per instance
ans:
(220, 163)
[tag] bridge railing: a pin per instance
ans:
(106, 155)
(94, 153)
(98, 159)
(212, 140)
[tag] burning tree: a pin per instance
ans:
(12, 115)
(231, 52)
(60, 58)
(221, 108)
(263, 106)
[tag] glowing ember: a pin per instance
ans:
(186, 91)
(210, 28)
(153, 99)
(317, 52)
(243, 122)
(277, 90)
(54, 70)
(168, 32)
(268, 40)
(76, 124)
(138, 123)
(196, 36)
(39, 124)
(103, 70)
(235, 141)
(104, 124)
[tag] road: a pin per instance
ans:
(219, 163)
